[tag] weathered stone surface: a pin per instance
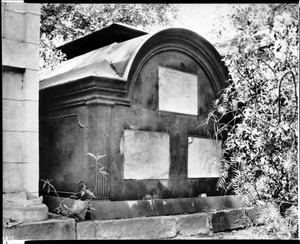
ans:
(86, 230)
(14, 26)
(22, 8)
(177, 91)
(52, 229)
(160, 227)
(12, 115)
(203, 157)
(20, 60)
(12, 85)
(26, 214)
(31, 176)
(140, 228)
(106, 209)
(229, 220)
(32, 24)
(20, 54)
(12, 146)
(30, 116)
(14, 6)
(31, 147)
(31, 85)
(12, 177)
(193, 224)
(146, 155)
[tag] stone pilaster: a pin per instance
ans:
(20, 94)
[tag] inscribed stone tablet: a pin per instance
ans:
(203, 158)
(146, 155)
(177, 91)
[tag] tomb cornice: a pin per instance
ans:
(86, 91)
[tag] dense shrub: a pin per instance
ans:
(261, 139)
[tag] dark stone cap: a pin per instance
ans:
(115, 32)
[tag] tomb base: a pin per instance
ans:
(106, 209)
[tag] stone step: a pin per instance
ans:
(156, 227)
(168, 227)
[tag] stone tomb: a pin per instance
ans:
(138, 99)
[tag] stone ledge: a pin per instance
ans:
(158, 227)
(106, 209)
(136, 228)
(26, 214)
(234, 219)
(51, 229)
(194, 224)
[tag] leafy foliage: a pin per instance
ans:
(257, 113)
(61, 23)
(281, 227)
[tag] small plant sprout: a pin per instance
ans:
(98, 170)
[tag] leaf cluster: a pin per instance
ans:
(62, 23)
(260, 137)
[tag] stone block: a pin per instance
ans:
(229, 220)
(12, 146)
(86, 230)
(14, 26)
(12, 177)
(26, 214)
(21, 7)
(31, 85)
(32, 34)
(12, 85)
(137, 228)
(34, 8)
(193, 224)
(51, 229)
(12, 112)
(31, 177)
(30, 116)
(14, 6)
(20, 55)
(31, 147)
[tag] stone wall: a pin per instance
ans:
(20, 90)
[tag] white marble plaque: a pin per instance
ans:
(177, 91)
(146, 155)
(203, 158)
